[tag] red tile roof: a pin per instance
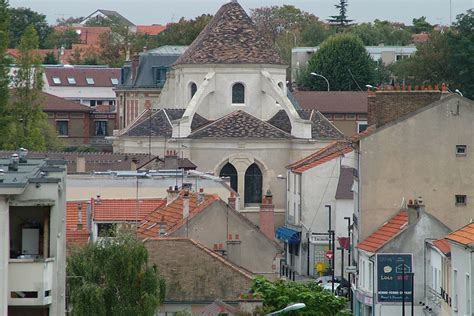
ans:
(333, 101)
(75, 234)
(102, 76)
(154, 29)
(172, 214)
(51, 103)
(89, 35)
(390, 229)
(443, 245)
(328, 153)
(463, 236)
(15, 53)
(420, 38)
(125, 209)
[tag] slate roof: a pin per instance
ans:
(333, 101)
(230, 38)
(387, 232)
(160, 123)
(344, 186)
(172, 214)
(328, 153)
(463, 236)
(239, 124)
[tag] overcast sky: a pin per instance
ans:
(164, 11)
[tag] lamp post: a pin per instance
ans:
(289, 308)
(349, 262)
(318, 75)
(331, 246)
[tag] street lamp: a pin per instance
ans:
(318, 75)
(289, 308)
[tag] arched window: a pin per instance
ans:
(229, 171)
(193, 87)
(253, 185)
(238, 94)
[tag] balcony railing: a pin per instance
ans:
(30, 282)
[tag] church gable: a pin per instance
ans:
(230, 38)
(240, 124)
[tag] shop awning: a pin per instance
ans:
(289, 235)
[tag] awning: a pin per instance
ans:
(289, 235)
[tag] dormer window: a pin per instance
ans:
(56, 80)
(90, 80)
(238, 93)
(193, 87)
(114, 81)
(159, 74)
(71, 80)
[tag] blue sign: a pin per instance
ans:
(394, 277)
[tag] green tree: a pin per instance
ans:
(63, 38)
(69, 21)
(29, 126)
(112, 277)
(461, 44)
(23, 17)
(344, 61)
(181, 33)
(50, 59)
(381, 32)
(341, 19)
(279, 294)
(420, 25)
(4, 69)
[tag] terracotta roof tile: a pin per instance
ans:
(443, 245)
(230, 38)
(172, 214)
(463, 236)
(125, 209)
(151, 29)
(328, 153)
(390, 229)
(333, 101)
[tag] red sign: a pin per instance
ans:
(344, 242)
(329, 254)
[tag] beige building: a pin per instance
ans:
(32, 237)
(426, 153)
(224, 106)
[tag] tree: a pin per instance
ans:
(28, 126)
(340, 20)
(279, 294)
(183, 32)
(63, 38)
(112, 277)
(420, 25)
(50, 59)
(23, 17)
(344, 61)
(69, 21)
(382, 32)
(4, 69)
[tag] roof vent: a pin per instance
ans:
(14, 160)
(23, 154)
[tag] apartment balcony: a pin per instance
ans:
(30, 282)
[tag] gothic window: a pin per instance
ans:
(229, 171)
(238, 94)
(193, 88)
(253, 185)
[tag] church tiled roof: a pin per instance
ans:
(230, 38)
(241, 125)
(158, 122)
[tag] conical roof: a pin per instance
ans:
(230, 38)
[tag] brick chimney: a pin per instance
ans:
(231, 200)
(185, 204)
(267, 216)
(135, 62)
(414, 207)
(172, 194)
(389, 103)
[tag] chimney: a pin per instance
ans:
(234, 253)
(414, 208)
(23, 153)
(231, 200)
(185, 204)
(172, 194)
(200, 197)
(267, 219)
(135, 62)
(14, 160)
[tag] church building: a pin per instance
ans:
(226, 107)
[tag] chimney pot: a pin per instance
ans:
(237, 237)
(230, 237)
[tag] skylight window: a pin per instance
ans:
(90, 80)
(56, 80)
(71, 80)
(114, 81)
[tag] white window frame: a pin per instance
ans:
(71, 80)
(90, 81)
(56, 80)
(114, 81)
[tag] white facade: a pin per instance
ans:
(462, 285)
(33, 237)
(437, 280)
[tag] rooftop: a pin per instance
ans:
(443, 246)
(333, 101)
(387, 232)
(344, 186)
(463, 236)
(79, 76)
(230, 38)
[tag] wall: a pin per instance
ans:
(421, 154)
(131, 103)
(78, 126)
(462, 262)
(217, 222)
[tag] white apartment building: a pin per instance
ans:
(32, 236)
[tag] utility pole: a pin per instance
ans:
(349, 262)
(331, 245)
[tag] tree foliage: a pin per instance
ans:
(21, 18)
(344, 61)
(63, 38)
(382, 32)
(279, 294)
(420, 25)
(112, 277)
(4, 68)
(68, 21)
(183, 32)
(341, 19)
